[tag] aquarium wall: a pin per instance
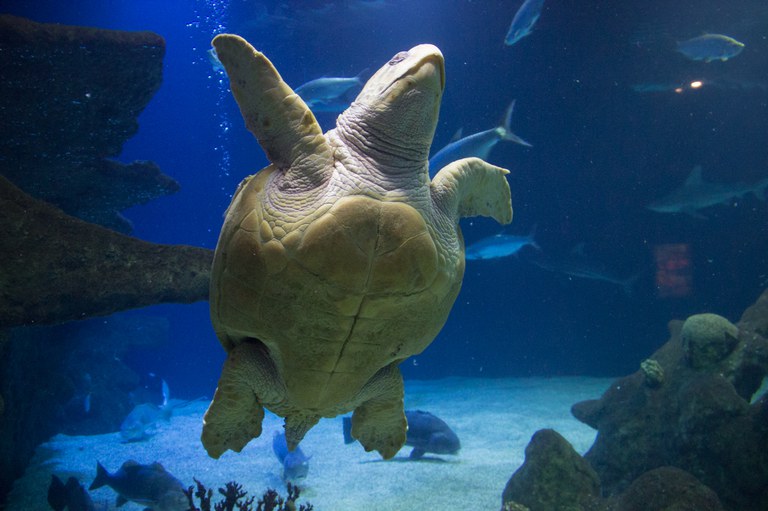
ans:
(634, 137)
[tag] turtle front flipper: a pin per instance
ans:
(278, 118)
(473, 187)
(248, 379)
(379, 422)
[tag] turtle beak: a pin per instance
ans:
(426, 64)
(431, 61)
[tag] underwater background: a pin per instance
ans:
(601, 95)
(601, 152)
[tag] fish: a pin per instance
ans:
(655, 87)
(295, 463)
(723, 83)
(79, 406)
(426, 433)
(577, 264)
(151, 389)
(71, 495)
(709, 47)
(333, 105)
(148, 485)
(478, 144)
(500, 245)
(214, 61)
(332, 94)
(696, 194)
(141, 423)
(524, 20)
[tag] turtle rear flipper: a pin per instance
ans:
(248, 379)
(379, 423)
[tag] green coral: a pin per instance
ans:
(514, 506)
(654, 373)
(708, 339)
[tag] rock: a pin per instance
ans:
(667, 489)
(43, 386)
(57, 268)
(553, 477)
(629, 436)
(755, 318)
(70, 98)
(708, 339)
(699, 420)
(747, 364)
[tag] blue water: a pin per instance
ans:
(601, 152)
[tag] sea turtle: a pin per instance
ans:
(340, 259)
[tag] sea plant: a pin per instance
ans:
(235, 498)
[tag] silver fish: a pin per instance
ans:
(722, 83)
(577, 264)
(213, 59)
(524, 20)
(329, 94)
(709, 47)
(500, 245)
(696, 194)
(478, 144)
(141, 423)
(295, 462)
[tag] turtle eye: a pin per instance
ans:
(398, 58)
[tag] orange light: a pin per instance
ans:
(696, 84)
(674, 270)
(679, 90)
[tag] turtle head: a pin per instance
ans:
(419, 71)
(398, 107)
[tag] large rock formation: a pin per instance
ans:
(555, 478)
(684, 432)
(57, 268)
(67, 379)
(69, 99)
(666, 489)
(697, 417)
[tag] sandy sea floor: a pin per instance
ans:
(494, 418)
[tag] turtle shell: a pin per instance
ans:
(335, 294)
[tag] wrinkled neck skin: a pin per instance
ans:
(385, 161)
